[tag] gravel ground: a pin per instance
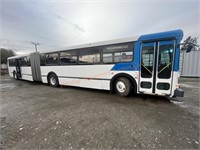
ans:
(34, 115)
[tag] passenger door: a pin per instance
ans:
(156, 63)
(18, 68)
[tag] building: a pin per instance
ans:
(190, 64)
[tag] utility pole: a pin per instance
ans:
(34, 43)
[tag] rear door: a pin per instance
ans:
(18, 68)
(156, 63)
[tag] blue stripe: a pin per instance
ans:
(131, 66)
(134, 65)
(178, 34)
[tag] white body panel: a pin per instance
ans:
(174, 85)
(26, 73)
(89, 76)
(10, 70)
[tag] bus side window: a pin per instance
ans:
(28, 61)
(89, 56)
(118, 53)
(123, 56)
(11, 62)
(68, 57)
(52, 59)
(108, 57)
(42, 59)
(23, 61)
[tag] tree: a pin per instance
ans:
(190, 44)
(5, 53)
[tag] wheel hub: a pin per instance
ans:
(53, 81)
(120, 86)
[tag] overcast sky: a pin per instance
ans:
(62, 23)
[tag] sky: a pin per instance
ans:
(56, 24)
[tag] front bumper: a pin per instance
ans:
(178, 93)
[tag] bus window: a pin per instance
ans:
(25, 61)
(28, 61)
(52, 59)
(165, 61)
(42, 59)
(118, 53)
(107, 57)
(91, 55)
(11, 62)
(68, 57)
(147, 61)
(123, 56)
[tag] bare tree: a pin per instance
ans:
(5, 53)
(190, 44)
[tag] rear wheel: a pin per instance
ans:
(123, 86)
(14, 75)
(53, 80)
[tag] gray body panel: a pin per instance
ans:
(35, 66)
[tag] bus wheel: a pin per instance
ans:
(53, 80)
(123, 86)
(14, 75)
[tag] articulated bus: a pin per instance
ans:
(148, 64)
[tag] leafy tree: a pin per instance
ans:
(5, 53)
(190, 44)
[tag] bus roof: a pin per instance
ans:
(18, 56)
(101, 43)
(160, 35)
(109, 42)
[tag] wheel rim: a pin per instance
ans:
(121, 87)
(53, 80)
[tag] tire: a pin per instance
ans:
(123, 86)
(53, 80)
(14, 75)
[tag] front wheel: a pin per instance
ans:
(123, 86)
(53, 80)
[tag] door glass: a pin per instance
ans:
(147, 61)
(165, 59)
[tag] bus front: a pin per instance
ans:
(159, 63)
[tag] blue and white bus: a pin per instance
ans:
(148, 64)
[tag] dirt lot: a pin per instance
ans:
(34, 115)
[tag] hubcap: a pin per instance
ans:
(120, 86)
(53, 80)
